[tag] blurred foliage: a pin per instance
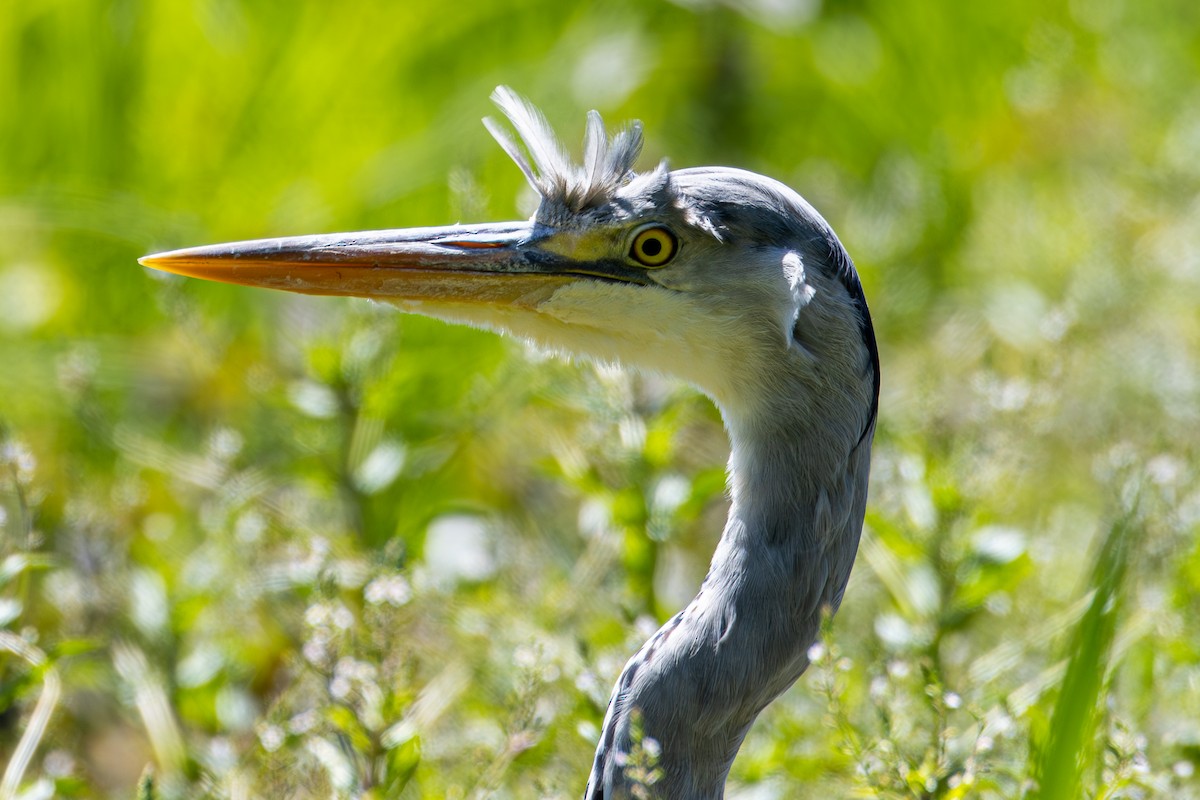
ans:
(292, 547)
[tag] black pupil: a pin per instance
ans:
(652, 247)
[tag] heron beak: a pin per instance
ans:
(496, 264)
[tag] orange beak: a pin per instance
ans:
(491, 263)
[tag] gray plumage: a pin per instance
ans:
(721, 277)
(800, 415)
(567, 190)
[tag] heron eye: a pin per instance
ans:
(653, 246)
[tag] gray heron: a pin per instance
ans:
(721, 277)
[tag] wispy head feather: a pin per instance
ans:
(563, 185)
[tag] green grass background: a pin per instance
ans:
(281, 546)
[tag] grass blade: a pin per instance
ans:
(1063, 757)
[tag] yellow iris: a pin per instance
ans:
(653, 246)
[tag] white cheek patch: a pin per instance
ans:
(649, 328)
(800, 290)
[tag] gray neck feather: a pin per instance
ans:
(785, 555)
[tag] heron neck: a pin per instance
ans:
(798, 496)
(784, 556)
(788, 462)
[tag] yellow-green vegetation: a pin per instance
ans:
(291, 547)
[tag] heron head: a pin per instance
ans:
(719, 276)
